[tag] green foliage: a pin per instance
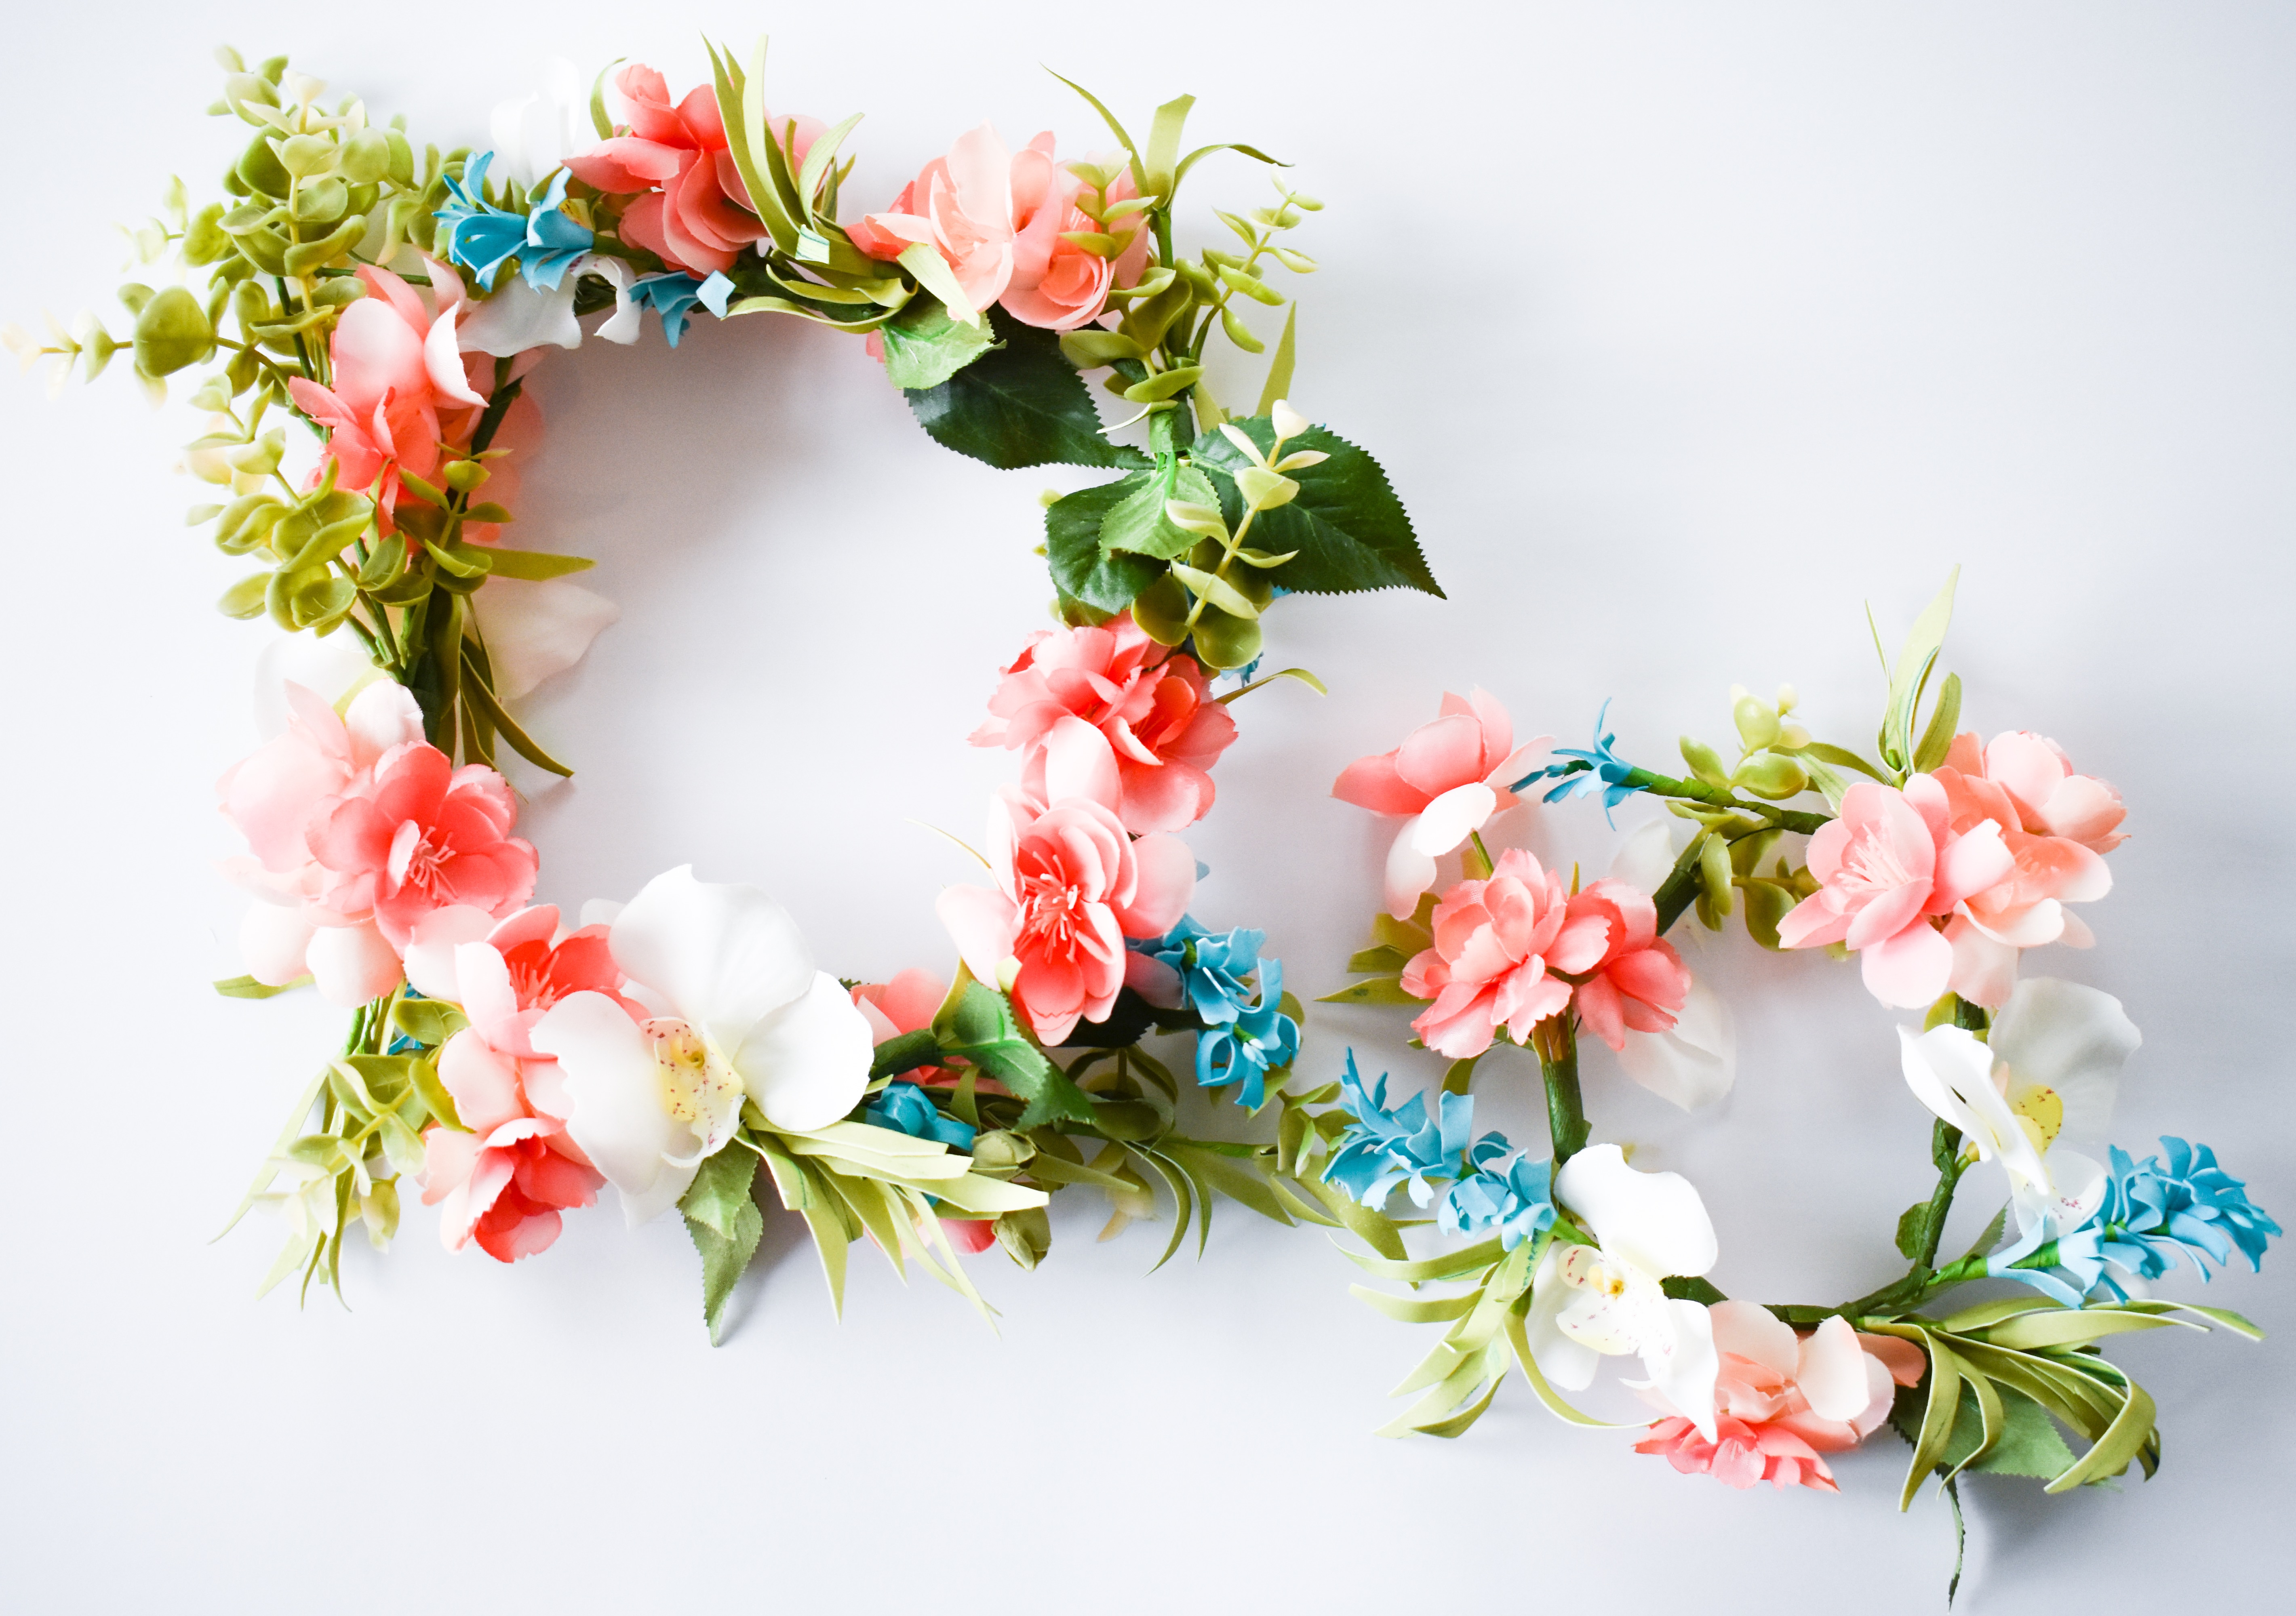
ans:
(925, 345)
(1081, 568)
(1020, 404)
(1909, 679)
(721, 1216)
(1346, 529)
(978, 1026)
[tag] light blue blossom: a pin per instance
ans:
(907, 1109)
(559, 242)
(1519, 1203)
(1384, 1148)
(674, 293)
(1212, 966)
(2148, 1214)
(1254, 1038)
(479, 237)
(1591, 767)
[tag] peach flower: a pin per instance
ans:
(1640, 980)
(2051, 800)
(399, 385)
(274, 797)
(1160, 724)
(1499, 945)
(1889, 866)
(504, 1181)
(1450, 775)
(694, 212)
(415, 836)
(1070, 887)
(1782, 1399)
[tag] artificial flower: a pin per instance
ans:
(1695, 1062)
(1382, 1148)
(1449, 776)
(1593, 768)
(906, 1004)
(1188, 967)
(1060, 281)
(1071, 886)
(739, 1012)
(1607, 1300)
(1154, 710)
(2051, 797)
(1498, 944)
(1781, 1399)
(414, 834)
(1639, 981)
(474, 233)
(1517, 1200)
(1889, 866)
(2025, 907)
(1253, 1039)
(507, 1173)
(693, 210)
(401, 386)
(907, 1108)
(2048, 1068)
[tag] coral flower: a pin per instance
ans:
(1782, 1400)
(695, 212)
(1498, 944)
(507, 1174)
(399, 388)
(1070, 887)
(1450, 776)
(419, 835)
(2051, 798)
(1889, 867)
(1640, 981)
(1154, 710)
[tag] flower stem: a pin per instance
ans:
(1556, 1040)
(1697, 791)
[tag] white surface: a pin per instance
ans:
(1683, 331)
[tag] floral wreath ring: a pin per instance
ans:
(393, 300)
(1938, 863)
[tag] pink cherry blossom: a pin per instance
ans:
(695, 211)
(1782, 1400)
(272, 797)
(1449, 776)
(1499, 945)
(399, 386)
(507, 1174)
(417, 834)
(1889, 867)
(1070, 887)
(1640, 980)
(2050, 798)
(1163, 729)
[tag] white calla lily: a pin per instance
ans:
(1589, 1303)
(2050, 1070)
(745, 1014)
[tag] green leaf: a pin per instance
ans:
(906, 1053)
(427, 1020)
(1937, 740)
(1378, 990)
(1240, 1179)
(721, 1214)
(1020, 404)
(2027, 1443)
(1349, 530)
(1915, 661)
(1138, 524)
(1080, 566)
(925, 345)
(1279, 368)
(248, 987)
(979, 1027)
(535, 564)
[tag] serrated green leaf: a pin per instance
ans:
(979, 1027)
(721, 1216)
(925, 345)
(1020, 404)
(1138, 524)
(1082, 566)
(1349, 530)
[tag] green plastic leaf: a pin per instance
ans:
(248, 987)
(1279, 368)
(535, 564)
(1140, 525)
(1347, 527)
(1915, 661)
(1081, 567)
(1020, 404)
(721, 1215)
(925, 345)
(979, 1027)
(2026, 1444)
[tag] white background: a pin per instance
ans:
(1684, 331)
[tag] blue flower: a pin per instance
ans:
(2148, 1214)
(1384, 1148)
(479, 237)
(1255, 1037)
(907, 1109)
(1211, 966)
(1519, 1203)
(673, 294)
(560, 241)
(1592, 766)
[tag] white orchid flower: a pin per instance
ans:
(1588, 1304)
(1695, 1062)
(741, 1013)
(2051, 1070)
(536, 627)
(518, 315)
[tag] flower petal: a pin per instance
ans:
(615, 1090)
(1832, 1373)
(806, 1064)
(1653, 1221)
(2073, 1038)
(724, 953)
